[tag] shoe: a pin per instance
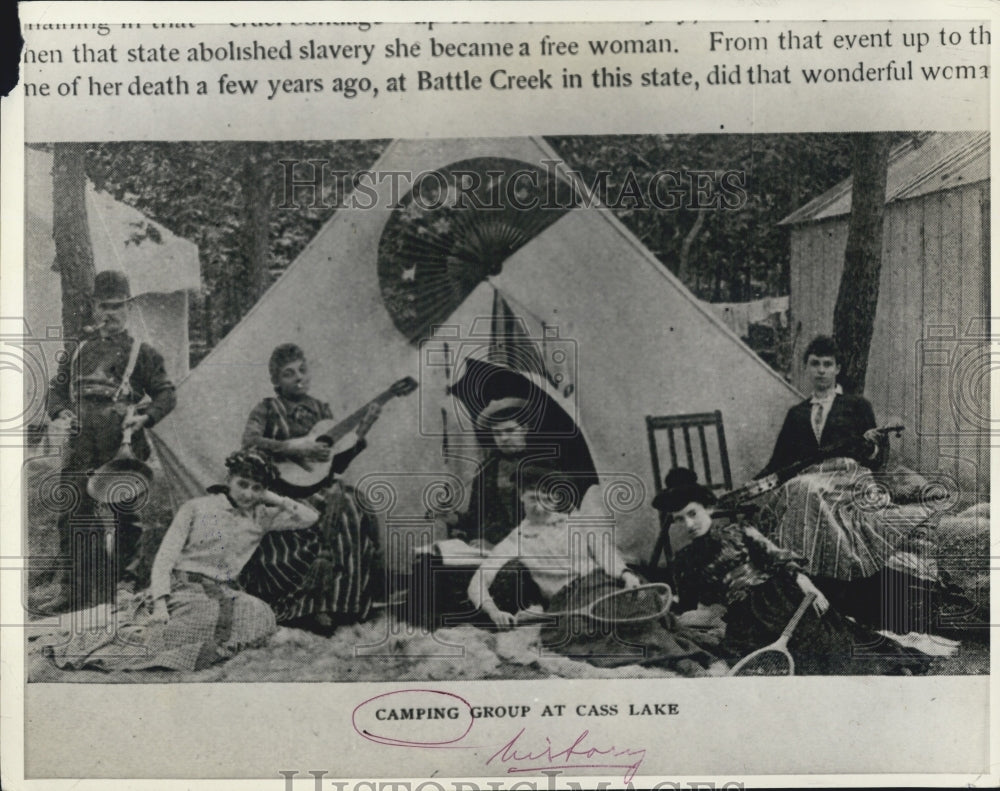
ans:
(53, 599)
(394, 599)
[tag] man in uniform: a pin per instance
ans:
(98, 389)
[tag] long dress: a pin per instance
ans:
(573, 562)
(197, 566)
(737, 567)
(336, 567)
(860, 548)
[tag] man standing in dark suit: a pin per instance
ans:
(829, 423)
(112, 381)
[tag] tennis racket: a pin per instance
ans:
(774, 659)
(631, 605)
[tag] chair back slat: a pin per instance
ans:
(710, 462)
(685, 430)
(704, 455)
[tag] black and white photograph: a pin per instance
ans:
(376, 417)
(556, 438)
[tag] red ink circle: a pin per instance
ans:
(410, 723)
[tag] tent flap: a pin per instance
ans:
(632, 342)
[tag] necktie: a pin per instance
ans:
(817, 420)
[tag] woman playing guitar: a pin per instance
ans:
(326, 575)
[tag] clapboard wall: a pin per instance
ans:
(929, 361)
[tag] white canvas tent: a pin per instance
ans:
(160, 272)
(645, 346)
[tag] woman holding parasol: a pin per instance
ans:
(517, 419)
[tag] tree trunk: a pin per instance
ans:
(857, 299)
(683, 267)
(257, 191)
(74, 254)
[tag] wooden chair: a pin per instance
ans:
(707, 456)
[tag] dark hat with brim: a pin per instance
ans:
(501, 410)
(673, 500)
(111, 286)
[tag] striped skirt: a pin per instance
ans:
(331, 568)
(829, 516)
(208, 622)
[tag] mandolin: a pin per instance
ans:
(759, 486)
(300, 478)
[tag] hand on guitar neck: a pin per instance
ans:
(330, 446)
(317, 446)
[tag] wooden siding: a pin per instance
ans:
(927, 366)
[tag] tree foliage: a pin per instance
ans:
(226, 197)
(738, 253)
(234, 200)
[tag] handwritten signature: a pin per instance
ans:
(516, 752)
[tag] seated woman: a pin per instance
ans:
(327, 576)
(733, 571)
(573, 561)
(856, 546)
(494, 509)
(829, 423)
(194, 613)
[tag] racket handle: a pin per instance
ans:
(527, 617)
(807, 600)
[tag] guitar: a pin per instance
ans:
(301, 478)
(759, 486)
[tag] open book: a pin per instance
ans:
(452, 552)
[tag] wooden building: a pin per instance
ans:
(930, 358)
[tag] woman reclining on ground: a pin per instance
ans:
(194, 613)
(732, 571)
(573, 561)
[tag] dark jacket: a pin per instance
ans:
(720, 566)
(850, 417)
(97, 368)
(87, 383)
(493, 511)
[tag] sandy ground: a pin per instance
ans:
(386, 648)
(379, 650)
(382, 649)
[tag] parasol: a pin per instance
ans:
(553, 431)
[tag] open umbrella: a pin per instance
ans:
(553, 431)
